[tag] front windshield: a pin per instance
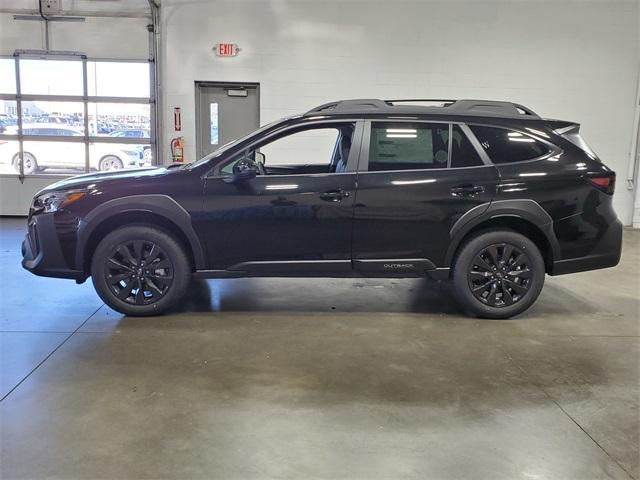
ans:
(233, 143)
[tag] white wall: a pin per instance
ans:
(569, 60)
(125, 38)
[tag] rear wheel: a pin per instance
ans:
(498, 274)
(140, 270)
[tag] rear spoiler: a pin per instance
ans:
(562, 127)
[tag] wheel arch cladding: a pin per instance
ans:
(160, 211)
(523, 216)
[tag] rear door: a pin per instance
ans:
(413, 185)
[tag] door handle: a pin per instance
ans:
(334, 195)
(466, 190)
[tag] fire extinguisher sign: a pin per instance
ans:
(177, 119)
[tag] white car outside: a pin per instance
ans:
(40, 155)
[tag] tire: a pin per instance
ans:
(30, 165)
(498, 274)
(119, 267)
(109, 163)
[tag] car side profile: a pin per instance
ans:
(484, 194)
(39, 156)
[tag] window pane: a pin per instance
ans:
(463, 154)
(110, 156)
(123, 120)
(8, 156)
(506, 146)
(407, 146)
(8, 118)
(51, 77)
(52, 157)
(213, 123)
(7, 75)
(309, 147)
(118, 79)
(52, 118)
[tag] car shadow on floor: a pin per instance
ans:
(421, 296)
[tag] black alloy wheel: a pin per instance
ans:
(139, 272)
(500, 275)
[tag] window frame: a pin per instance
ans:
(363, 162)
(354, 153)
(554, 150)
(85, 100)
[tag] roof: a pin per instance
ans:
(483, 108)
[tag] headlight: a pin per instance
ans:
(53, 201)
(133, 153)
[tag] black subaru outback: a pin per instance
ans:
(485, 194)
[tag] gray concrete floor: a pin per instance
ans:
(281, 378)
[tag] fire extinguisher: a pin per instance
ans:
(177, 149)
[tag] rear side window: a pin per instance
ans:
(508, 146)
(578, 141)
(463, 153)
(408, 146)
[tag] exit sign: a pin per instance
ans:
(226, 49)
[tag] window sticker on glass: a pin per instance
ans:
(213, 122)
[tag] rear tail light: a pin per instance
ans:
(606, 183)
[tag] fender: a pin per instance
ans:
(158, 204)
(525, 209)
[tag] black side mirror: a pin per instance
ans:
(245, 169)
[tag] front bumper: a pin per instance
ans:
(42, 253)
(606, 253)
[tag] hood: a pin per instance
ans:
(90, 179)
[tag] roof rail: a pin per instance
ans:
(458, 107)
(417, 100)
(371, 103)
(490, 107)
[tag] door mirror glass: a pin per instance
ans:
(245, 169)
(260, 157)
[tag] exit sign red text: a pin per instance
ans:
(226, 49)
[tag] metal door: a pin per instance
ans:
(224, 112)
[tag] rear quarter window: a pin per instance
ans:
(508, 146)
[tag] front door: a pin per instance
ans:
(295, 217)
(412, 187)
(224, 112)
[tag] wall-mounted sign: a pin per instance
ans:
(226, 49)
(177, 119)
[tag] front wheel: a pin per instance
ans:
(140, 271)
(498, 274)
(29, 164)
(109, 163)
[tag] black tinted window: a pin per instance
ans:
(463, 154)
(407, 146)
(507, 146)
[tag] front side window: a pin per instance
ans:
(408, 146)
(508, 146)
(308, 147)
(319, 149)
